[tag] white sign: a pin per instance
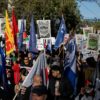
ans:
(2, 26)
(53, 40)
(40, 44)
(93, 41)
(99, 43)
(81, 42)
(19, 24)
(87, 30)
(44, 27)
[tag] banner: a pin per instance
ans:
(44, 28)
(87, 30)
(9, 39)
(81, 42)
(2, 25)
(99, 43)
(93, 41)
(40, 44)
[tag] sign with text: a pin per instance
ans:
(87, 30)
(81, 42)
(44, 28)
(40, 45)
(2, 26)
(93, 41)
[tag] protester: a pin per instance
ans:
(30, 56)
(39, 93)
(26, 62)
(80, 72)
(26, 92)
(23, 74)
(59, 87)
(11, 84)
(81, 94)
(97, 79)
(16, 70)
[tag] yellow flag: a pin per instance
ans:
(9, 39)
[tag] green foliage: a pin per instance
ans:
(49, 9)
(3, 6)
(97, 25)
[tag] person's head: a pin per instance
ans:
(39, 93)
(9, 72)
(82, 90)
(37, 80)
(26, 60)
(55, 71)
(30, 56)
(23, 73)
(65, 38)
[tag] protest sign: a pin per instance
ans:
(99, 42)
(87, 30)
(40, 45)
(2, 26)
(44, 28)
(93, 41)
(81, 42)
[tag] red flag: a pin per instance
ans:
(16, 70)
(45, 43)
(24, 35)
(15, 29)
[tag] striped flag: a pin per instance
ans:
(61, 32)
(15, 29)
(38, 68)
(70, 62)
(9, 38)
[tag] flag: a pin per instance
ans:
(24, 35)
(20, 37)
(44, 43)
(61, 32)
(15, 29)
(37, 69)
(49, 46)
(3, 77)
(70, 63)
(32, 41)
(9, 39)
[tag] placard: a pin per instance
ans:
(87, 30)
(93, 41)
(44, 28)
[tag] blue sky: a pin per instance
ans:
(89, 10)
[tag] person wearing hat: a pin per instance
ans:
(39, 93)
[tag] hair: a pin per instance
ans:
(23, 71)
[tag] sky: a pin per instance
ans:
(89, 10)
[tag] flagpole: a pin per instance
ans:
(15, 96)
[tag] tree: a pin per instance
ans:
(49, 9)
(3, 6)
(97, 25)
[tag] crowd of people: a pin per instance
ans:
(19, 64)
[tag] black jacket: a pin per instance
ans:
(65, 89)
